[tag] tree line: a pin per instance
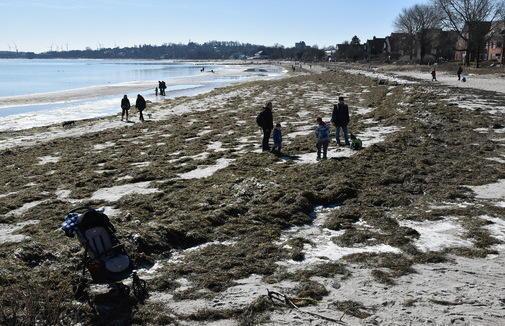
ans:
(191, 51)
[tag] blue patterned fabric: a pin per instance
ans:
(70, 224)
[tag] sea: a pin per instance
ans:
(42, 92)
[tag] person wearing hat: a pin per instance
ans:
(340, 119)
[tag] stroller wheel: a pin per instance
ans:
(139, 288)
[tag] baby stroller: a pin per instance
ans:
(104, 256)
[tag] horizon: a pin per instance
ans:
(48, 25)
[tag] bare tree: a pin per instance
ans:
(417, 21)
(473, 20)
(405, 23)
(502, 31)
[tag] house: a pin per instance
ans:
(398, 45)
(375, 48)
(440, 45)
(478, 33)
(495, 44)
(432, 44)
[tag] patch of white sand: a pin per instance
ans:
(64, 195)
(216, 146)
(43, 160)
(115, 193)
(206, 171)
(104, 145)
(25, 208)
(493, 191)
(303, 113)
(496, 159)
(123, 178)
(323, 248)
(8, 194)
(361, 110)
(141, 164)
(110, 211)
(7, 230)
(496, 229)
(438, 235)
(203, 133)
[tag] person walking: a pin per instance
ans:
(322, 138)
(433, 75)
(340, 119)
(460, 72)
(266, 121)
(140, 104)
(164, 86)
(125, 106)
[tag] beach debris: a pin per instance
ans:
(281, 299)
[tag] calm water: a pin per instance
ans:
(110, 80)
(19, 77)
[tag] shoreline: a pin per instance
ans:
(35, 110)
(113, 89)
(157, 110)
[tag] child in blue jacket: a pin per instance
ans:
(277, 138)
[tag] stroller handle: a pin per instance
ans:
(81, 208)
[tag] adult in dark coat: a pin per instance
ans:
(164, 87)
(340, 118)
(460, 71)
(140, 104)
(266, 121)
(125, 106)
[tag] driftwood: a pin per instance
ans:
(283, 300)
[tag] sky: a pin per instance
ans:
(39, 25)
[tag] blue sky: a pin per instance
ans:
(36, 25)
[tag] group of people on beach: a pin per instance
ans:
(459, 73)
(339, 118)
(162, 86)
(140, 104)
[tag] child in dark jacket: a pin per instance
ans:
(277, 138)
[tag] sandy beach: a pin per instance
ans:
(410, 230)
